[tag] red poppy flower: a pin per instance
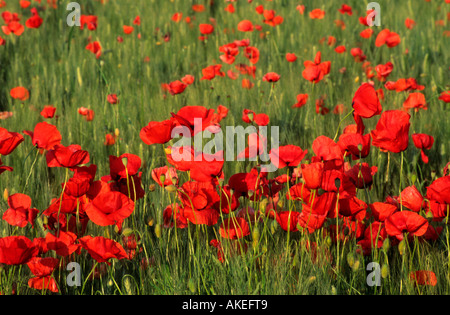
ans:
(20, 212)
(312, 174)
(355, 144)
(291, 57)
(367, 33)
(245, 26)
(62, 242)
(42, 268)
(17, 250)
(176, 17)
(20, 93)
(404, 85)
(383, 71)
(247, 84)
(270, 18)
(109, 208)
(252, 54)
(346, 9)
(176, 87)
(90, 21)
(405, 222)
(365, 101)
(374, 236)
(127, 29)
(327, 150)
(445, 96)
(317, 14)
(301, 100)
(13, 27)
(188, 79)
(362, 175)
(423, 277)
(382, 210)
(124, 166)
(71, 156)
(112, 99)
(250, 116)
(423, 142)
(211, 72)
(206, 29)
(103, 249)
(35, 20)
(288, 220)
(45, 136)
(358, 54)
(352, 207)
(392, 131)
(9, 141)
(315, 71)
(271, 77)
(48, 111)
(234, 228)
(391, 39)
(157, 132)
(316, 211)
(165, 176)
(340, 49)
(415, 100)
(95, 48)
(4, 168)
(411, 198)
(196, 118)
(288, 155)
(439, 190)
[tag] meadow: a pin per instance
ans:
(360, 199)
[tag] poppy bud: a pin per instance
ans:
(333, 290)
(6, 194)
(171, 188)
(328, 241)
(337, 183)
(273, 227)
(158, 230)
(402, 247)
(350, 259)
(356, 265)
(116, 132)
(191, 285)
(312, 279)
(250, 116)
(386, 244)
(429, 215)
(256, 233)
(264, 248)
(413, 178)
(280, 204)
(127, 232)
(152, 187)
(384, 271)
(150, 222)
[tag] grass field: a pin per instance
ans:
(281, 235)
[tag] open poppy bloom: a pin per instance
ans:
(165, 176)
(391, 39)
(416, 101)
(9, 141)
(288, 155)
(411, 198)
(315, 71)
(62, 242)
(124, 166)
(35, 20)
(17, 250)
(405, 222)
(4, 168)
(42, 269)
(423, 142)
(315, 212)
(365, 101)
(423, 277)
(110, 208)
(291, 57)
(271, 77)
(157, 132)
(44, 136)
(20, 212)
(317, 14)
(250, 116)
(301, 100)
(95, 48)
(103, 249)
(20, 93)
(211, 72)
(288, 220)
(70, 157)
(392, 131)
(245, 26)
(48, 111)
(234, 228)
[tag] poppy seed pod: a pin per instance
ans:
(158, 230)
